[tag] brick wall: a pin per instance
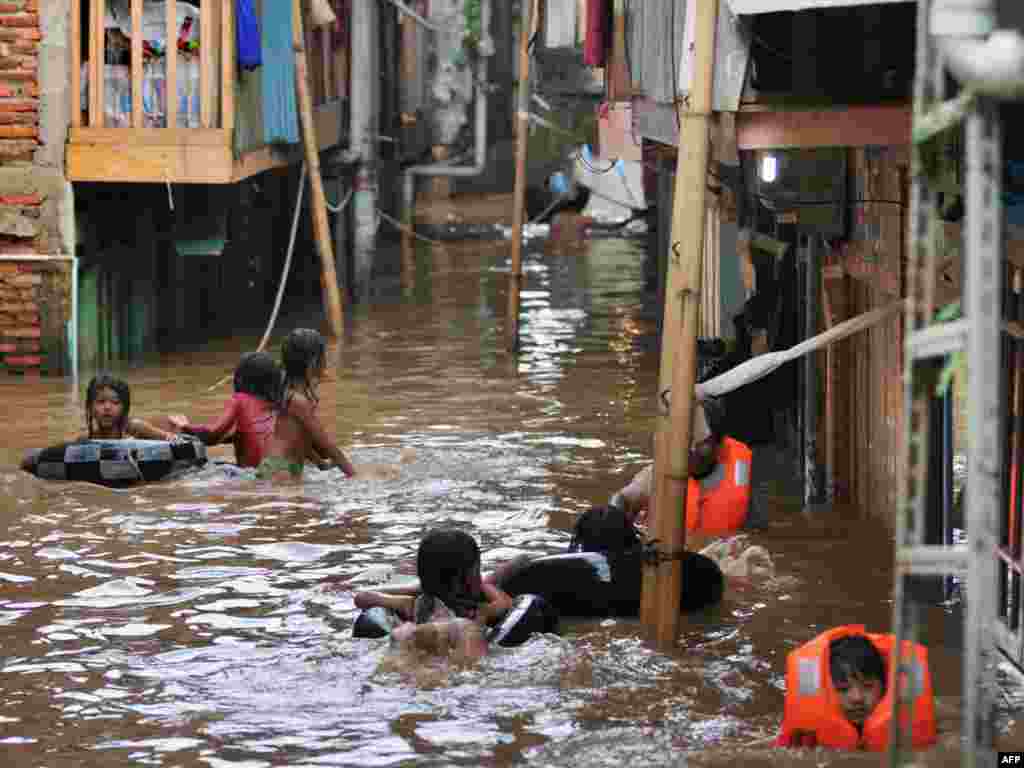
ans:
(34, 197)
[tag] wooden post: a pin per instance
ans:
(662, 583)
(171, 63)
(227, 62)
(136, 10)
(321, 227)
(206, 32)
(96, 68)
(519, 195)
(76, 63)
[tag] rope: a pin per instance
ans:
(395, 222)
(340, 206)
(284, 270)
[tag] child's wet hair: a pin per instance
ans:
(855, 656)
(257, 374)
(446, 557)
(303, 351)
(118, 386)
(604, 529)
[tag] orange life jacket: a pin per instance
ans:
(812, 704)
(718, 504)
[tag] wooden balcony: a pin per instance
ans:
(131, 129)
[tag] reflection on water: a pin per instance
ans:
(207, 621)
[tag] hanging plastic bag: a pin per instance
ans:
(250, 55)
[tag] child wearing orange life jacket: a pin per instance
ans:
(838, 692)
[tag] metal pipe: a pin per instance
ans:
(480, 149)
(977, 54)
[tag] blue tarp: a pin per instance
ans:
(280, 112)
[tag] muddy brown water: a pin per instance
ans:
(207, 621)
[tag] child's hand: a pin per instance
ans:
(177, 421)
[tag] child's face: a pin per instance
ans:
(858, 697)
(107, 410)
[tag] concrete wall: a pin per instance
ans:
(36, 204)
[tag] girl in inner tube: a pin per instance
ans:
(454, 606)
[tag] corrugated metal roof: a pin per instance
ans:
(770, 6)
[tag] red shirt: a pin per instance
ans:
(248, 420)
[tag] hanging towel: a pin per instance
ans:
(280, 114)
(598, 27)
(247, 33)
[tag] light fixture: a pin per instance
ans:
(769, 168)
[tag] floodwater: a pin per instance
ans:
(207, 621)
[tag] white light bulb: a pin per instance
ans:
(769, 168)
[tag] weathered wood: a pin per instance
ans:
(171, 64)
(209, 137)
(206, 49)
(853, 126)
(76, 62)
(321, 226)
(660, 614)
(529, 16)
(136, 63)
(96, 60)
(227, 59)
(150, 164)
(326, 64)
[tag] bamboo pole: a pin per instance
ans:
(519, 195)
(663, 578)
(76, 63)
(171, 63)
(321, 227)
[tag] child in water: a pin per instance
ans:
(858, 677)
(108, 402)
(454, 603)
(249, 416)
(298, 433)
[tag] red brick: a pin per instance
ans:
(11, 8)
(22, 200)
(27, 33)
(8, 347)
(24, 332)
(23, 361)
(20, 20)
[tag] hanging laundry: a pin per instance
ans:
(280, 113)
(598, 26)
(247, 34)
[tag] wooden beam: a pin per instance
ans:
(206, 38)
(227, 59)
(76, 62)
(150, 164)
(171, 60)
(136, 63)
(852, 126)
(199, 137)
(326, 62)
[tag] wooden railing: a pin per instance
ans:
(216, 47)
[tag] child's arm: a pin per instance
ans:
(303, 411)
(145, 431)
(498, 603)
(220, 431)
(403, 605)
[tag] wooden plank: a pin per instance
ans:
(201, 137)
(137, 64)
(206, 44)
(227, 59)
(853, 126)
(171, 62)
(76, 62)
(96, 106)
(150, 164)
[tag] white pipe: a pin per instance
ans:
(989, 60)
(480, 150)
